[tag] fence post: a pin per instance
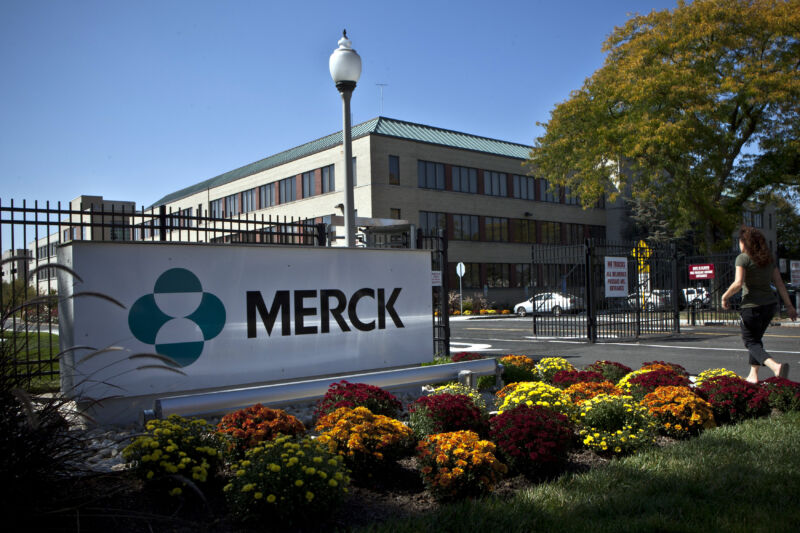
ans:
(533, 295)
(591, 312)
(443, 300)
(162, 222)
(676, 306)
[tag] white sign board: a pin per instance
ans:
(236, 315)
(782, 266)
(794, 270)
(436, 278)
(616, 277)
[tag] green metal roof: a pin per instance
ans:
(377, 126)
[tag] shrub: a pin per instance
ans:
(467, 312)
(484, 311)
(624, 382)
(616, 425)
(530, 438)
(713, 373)
(505, 391)
(248, 427)
(465, 356)
(679, 410)
(456, 313)
(663, 365)
(645, 383)
(784, 395)
(564, 378)
(344, 394)
(548, 367)
(734, 399)
(458, 388)
(288, 481)
(518, 368)
(486, 383)
(505, 312)
(458, 464)
(364, 438)
(172, 449)
(538, 393)
(445, 412)
(580, 392)
(612, 370)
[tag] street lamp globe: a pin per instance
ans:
(345, 64)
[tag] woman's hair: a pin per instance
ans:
(756, 245)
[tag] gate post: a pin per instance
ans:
(591, 312)
(533, 293)
(443, 300)
(676, 307)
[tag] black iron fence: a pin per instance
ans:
(31, 233)
(575, 295)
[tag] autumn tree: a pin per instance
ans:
(695, 110)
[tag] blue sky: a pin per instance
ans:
(133, 100)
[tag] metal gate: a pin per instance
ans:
(569, 291)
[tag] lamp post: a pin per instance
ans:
(345, 67)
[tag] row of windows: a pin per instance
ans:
(431, 175)
(500, 229)
(505, 275)
(48, 250)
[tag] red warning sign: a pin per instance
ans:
(703, 271)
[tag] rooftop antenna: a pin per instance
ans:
(381, 85)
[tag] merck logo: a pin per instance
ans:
(178, 317)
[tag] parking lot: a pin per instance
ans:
(696, 348)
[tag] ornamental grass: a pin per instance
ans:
(611, 370)
(458, 388)
(580, 392)
(643, 384)
(538, 393)
(458, 464)
(249, 427)
(616, 425)
(366, 440)
(734, 399)
(175, 453)
(345, 394)
(445, 412)
(713, 373)
(518, 368)
(531, 439)
(784, 395)
(679, 411)
(287, 481)
(548, 367)
(565, 378)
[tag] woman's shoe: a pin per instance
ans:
(783, 371)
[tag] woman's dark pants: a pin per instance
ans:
(755, 321)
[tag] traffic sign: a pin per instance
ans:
(701, 271)
(460, 269)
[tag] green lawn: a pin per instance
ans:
(34, 352)
(735, 478)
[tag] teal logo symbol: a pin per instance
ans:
(178, 317)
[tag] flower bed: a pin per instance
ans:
(783, 394)
(344, 394)
(680, 411)
(443, 413)
(548, 367)
(248, 427)
(616, 425)
(538, 393)
(611, 370)
(734, 399)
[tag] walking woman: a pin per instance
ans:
(755, 268)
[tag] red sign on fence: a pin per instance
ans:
(704, 271)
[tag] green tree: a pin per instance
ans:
(696, 109)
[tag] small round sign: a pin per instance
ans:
(460, 269)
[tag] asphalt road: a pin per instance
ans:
(696, 348)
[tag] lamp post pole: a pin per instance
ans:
(345, 67)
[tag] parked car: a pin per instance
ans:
(550, 302)
(697, 296)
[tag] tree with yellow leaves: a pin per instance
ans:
(695, 111)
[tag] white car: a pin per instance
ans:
(549, 302)
(697, 296)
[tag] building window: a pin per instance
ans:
(758, 220)
(524, 187)
(495, 183)
(394, 170)
(522, 276)
(465, 180)
(599, 232)
(466, 228)
(249, 201)
(267, 195)
(574, 233)
(308, 184)
(430, 222)
(551, 232)
(497, 275)
(496, 229)
(546, 194)
(215, 208)
(232, 205)
(430, 175)
(394, 213)
(570, 198)
(328, 179)
(287, 190)
(472, 276)
(524, 230)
